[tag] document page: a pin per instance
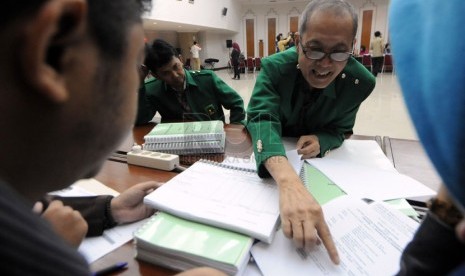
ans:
(367, 182)
(223, 197)
(369, 238)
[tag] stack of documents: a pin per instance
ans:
(181, 244)
(187, 138)
(220, 195)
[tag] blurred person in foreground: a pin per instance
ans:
(433, 84)
(74, 69)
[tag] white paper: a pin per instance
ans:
(367, 182)
(96, 247)
(227, 198)
(86, 187)
(369, 238)
(252, 270)
(361, 152)
(295, 160)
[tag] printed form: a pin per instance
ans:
(369, 238)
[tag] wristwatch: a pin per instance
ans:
(445, 211)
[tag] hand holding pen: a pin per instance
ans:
(308, 146)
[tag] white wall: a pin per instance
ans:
(208, 13)
(282, 12)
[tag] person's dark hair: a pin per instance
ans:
(377, 34)
(161, 53)
(108, 20)
(363, 48)
(279, 36)
(339, 7)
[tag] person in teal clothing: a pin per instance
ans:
(433, 87)
(312, 91)
(178, 94)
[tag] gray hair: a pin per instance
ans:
(339, 7)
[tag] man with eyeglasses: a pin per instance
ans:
(312, 91)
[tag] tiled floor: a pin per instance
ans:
(383, 113)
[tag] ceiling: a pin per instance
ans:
(158, 25)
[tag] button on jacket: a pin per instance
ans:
(277, 106)
(206, 95)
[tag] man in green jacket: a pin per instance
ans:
(178, 94)
(313, 92)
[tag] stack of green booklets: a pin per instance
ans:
(182, 244)
(187, 138)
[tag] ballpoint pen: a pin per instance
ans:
(114, 268)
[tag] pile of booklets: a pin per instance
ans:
(182, 244)
(187, 138)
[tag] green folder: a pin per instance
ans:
(182, 244)
(324, 190)
(186, 132)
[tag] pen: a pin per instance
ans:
(114, 268)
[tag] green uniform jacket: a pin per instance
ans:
(206, 96)
(276, 106)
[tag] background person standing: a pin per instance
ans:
(377, 48)
(236, 52)
(195, 49)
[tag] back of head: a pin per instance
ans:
(69, 65)
(377, 34)
(161, 53)
(338, 7)
(108, 20)
(433, 81)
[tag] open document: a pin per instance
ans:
(369, 238)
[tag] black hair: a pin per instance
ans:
(377, 33)
(160, 54)
(108, 20)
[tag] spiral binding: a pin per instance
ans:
(147, 224)
(214, 163)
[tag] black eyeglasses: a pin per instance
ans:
(319, 55)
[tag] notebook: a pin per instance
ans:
(223, 196)
(184, 148)
(182, 244)
(186, 132)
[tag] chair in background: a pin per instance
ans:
(242, 66)
(388, 66)
(211, 62)
(366, 61)
(187, 65)
(250, 65)
(258, 63)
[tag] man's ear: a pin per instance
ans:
(47, 34)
